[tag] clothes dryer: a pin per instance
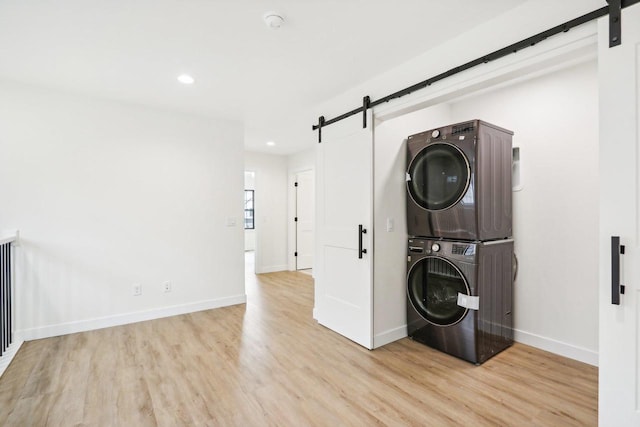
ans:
(459, 182)
(459, 296)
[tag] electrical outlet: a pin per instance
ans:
(137, 289)
(167, 286)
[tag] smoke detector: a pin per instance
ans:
(273, 20)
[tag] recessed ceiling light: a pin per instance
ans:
(271, 143)
(186, 79)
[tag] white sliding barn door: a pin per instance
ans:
(619, 77)
(344, 286)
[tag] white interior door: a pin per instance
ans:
(619, 71)
(343, 286)
(304, 219)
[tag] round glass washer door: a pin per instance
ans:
(433, 286)
(440, 176)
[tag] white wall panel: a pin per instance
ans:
(107, 195)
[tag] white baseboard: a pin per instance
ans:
(389, 336)
(557, 347)
(123, 319)
(271, 269)
(8, 356)
(537, 341)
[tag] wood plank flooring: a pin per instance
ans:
(270, 364)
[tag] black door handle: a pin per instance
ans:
(616, 288)
(361, 231)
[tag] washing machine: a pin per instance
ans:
(459, 296)
(459, 182)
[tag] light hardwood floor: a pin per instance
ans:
(270, 363)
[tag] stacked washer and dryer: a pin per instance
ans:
(460, 251)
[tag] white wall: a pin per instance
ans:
(555, 118)
(270, 210)
(301, 161)
(297, 162)
(249, 234)
(520, 22)
(107, 195)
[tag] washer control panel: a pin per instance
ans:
(417, 246)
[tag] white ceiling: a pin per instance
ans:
(133, 50)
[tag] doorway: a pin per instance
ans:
(304, 208)
(553, 213)
(249, 222)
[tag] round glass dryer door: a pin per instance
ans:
(433, 287)
(440, 176)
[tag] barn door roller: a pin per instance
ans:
(319, 127)
(365, 106)
(615, 25)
